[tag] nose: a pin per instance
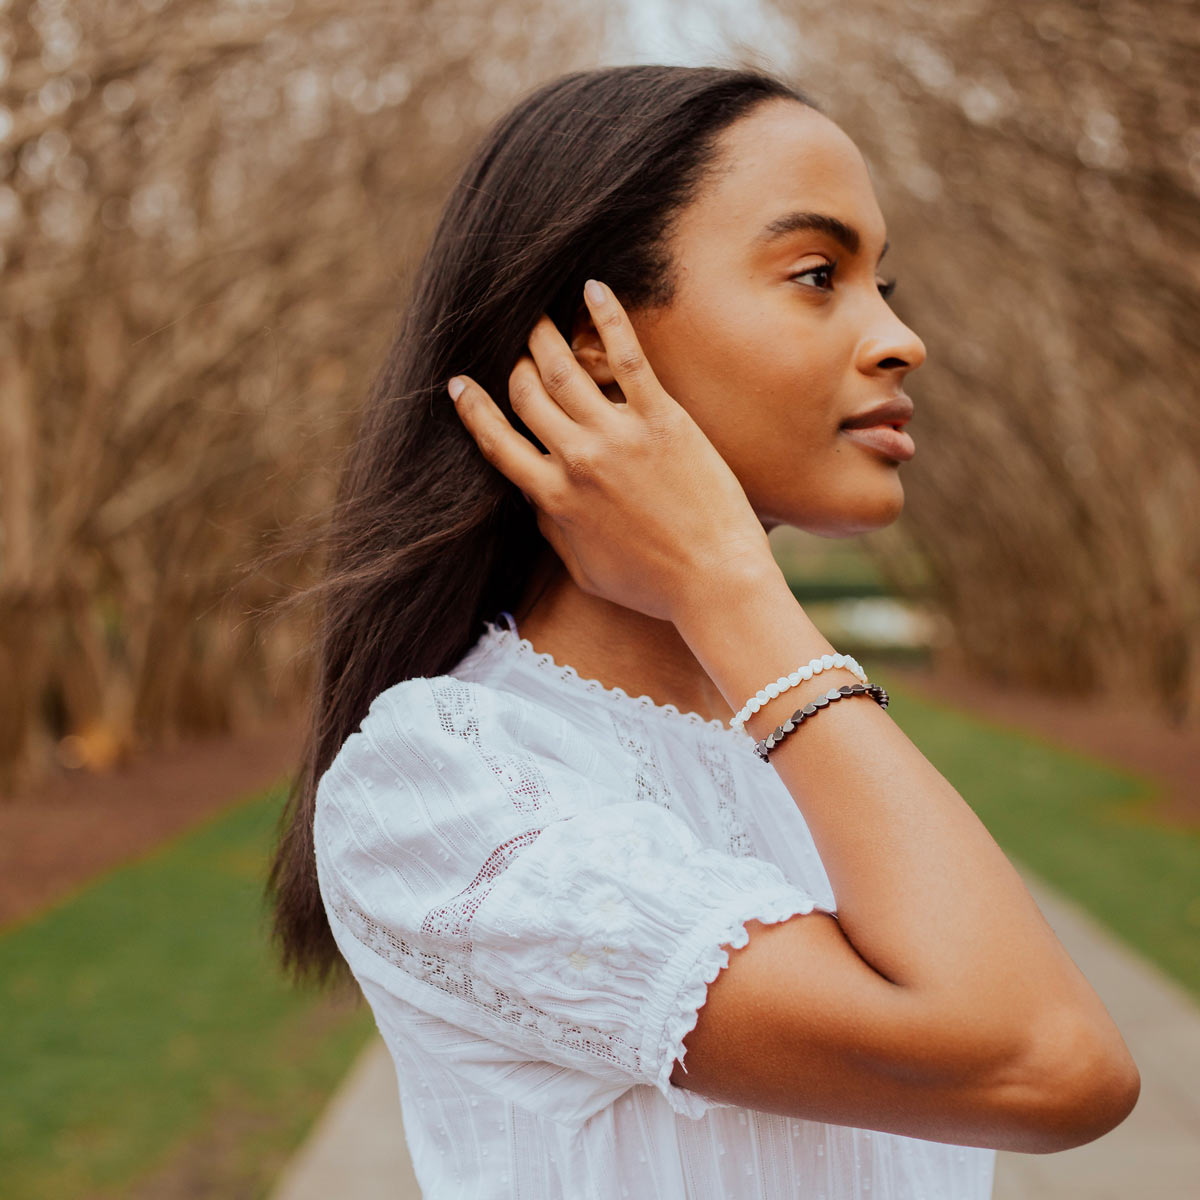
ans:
(890, 346)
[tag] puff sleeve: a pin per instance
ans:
(483, 861)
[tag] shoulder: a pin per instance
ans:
(448, 704)
(442, 736)
(446, 712)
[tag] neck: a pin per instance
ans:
(615, 645)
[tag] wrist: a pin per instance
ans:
(731, 585)
(748, 630)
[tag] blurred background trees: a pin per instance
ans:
(209, 210)
(207, 214)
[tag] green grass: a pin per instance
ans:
(840, 564)
(1086, 827)
(145, 1016)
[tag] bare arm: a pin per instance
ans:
(940, 997)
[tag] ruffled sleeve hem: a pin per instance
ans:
(696, 967)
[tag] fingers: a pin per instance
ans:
(536, 407)
(626, 359)
(513, 455)
(554, 395)
(569, 386)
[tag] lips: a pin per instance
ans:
(896, 411)
(893, 443)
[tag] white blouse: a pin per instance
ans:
(533, 879)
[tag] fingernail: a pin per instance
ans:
(594, 291)
(455, 387)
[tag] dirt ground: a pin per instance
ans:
(75, 826)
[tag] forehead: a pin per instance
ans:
(781, 157)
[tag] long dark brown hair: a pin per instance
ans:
(427, 539)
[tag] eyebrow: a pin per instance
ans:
(794, 222)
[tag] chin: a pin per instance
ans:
(865, 511)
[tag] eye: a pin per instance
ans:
(825, 269)
(886, 287)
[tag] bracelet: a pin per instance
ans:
(814, 667)
(763, 748)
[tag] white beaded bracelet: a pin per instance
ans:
(814, 667)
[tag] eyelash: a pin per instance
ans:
(885, 289)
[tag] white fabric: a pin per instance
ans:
(533, 879)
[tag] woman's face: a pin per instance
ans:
(773, 339)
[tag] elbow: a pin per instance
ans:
(1084, 1086)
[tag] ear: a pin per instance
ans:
(590, 352)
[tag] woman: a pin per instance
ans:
(536, 820)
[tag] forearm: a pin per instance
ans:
(924, 894)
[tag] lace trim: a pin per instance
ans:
(453, 920)
(495, 635)
(737, 839)
(454, 977)
(714, 958)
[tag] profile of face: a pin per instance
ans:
(777, 331)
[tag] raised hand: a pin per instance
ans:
(633, 497)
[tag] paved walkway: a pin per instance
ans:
(357, 1150)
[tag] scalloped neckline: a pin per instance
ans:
(498, 635)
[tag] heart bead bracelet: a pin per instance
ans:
(763, 748)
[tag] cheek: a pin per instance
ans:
(765, 389)
(740, 361)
